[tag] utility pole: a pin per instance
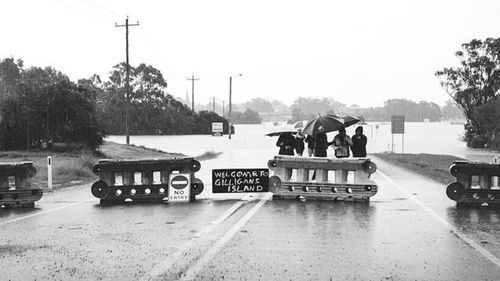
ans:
(230, 105)
(192, 89)
(127, 86)
(213, 105)
(229, 119)
(223, 105)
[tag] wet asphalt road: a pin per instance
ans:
(409, 231)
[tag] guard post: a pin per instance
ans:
(147, 180)
(334, 179)
(476, 184)
(15, 186)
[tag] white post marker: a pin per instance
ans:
(179, 188)
(49, 172)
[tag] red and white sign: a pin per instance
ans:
(179, 188)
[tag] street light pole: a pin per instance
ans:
(230, 105)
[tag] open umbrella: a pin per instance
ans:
(281, 131)
(329, 122)
(299, 124)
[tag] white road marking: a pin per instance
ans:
(453, 229)
(193, 271)
(43, 212)
(165, 265)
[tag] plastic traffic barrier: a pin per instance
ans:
(147, 180)
(476, 184)
(320, 178)
(15, 187)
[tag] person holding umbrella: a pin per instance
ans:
(299, 142)
(320, 142)
(341, 143)
(286, 143)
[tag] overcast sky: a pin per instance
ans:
(356, 52)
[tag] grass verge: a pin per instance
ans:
(75, 167)
(434, 166)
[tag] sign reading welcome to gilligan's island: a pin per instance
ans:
(240, 180)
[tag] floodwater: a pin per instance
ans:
(409, 230)
(419, 137)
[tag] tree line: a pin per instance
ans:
(42, 105)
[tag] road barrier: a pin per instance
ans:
(297, 177)
(147, 180)
(15, 187)
(476, 184)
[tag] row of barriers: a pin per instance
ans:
(318, 178)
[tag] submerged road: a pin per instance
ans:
(409, 231)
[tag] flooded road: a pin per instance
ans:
(410, 230)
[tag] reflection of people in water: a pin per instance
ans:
(299, 142)
(359, 141)
(320, 143)
(286, 143)
(341, 144)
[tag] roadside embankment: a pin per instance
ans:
(75, 167)
(434, 166)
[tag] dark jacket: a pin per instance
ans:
(286, 143)
(320, 145)
(310, 141)
(299, 143)
(359, 145)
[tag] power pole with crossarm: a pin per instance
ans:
(192, 79)
(127, 86)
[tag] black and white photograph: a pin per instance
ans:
(250, 140)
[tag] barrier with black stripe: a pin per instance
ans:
(322, 178)
(476, 184)
(15, 186)
(147, 180)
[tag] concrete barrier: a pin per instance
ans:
(146, 180)
(15, 186)
(476, 184)
(320, 178)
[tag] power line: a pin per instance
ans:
(127, 86)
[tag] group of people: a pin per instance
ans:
(318, 144)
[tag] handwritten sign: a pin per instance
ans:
(240, 180)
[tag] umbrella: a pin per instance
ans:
(329, 122)
(281, 131)
(299, 124)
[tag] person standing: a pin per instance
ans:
(341, 144)
(310, 145)
(299, 142)
(359, 141)
(320, 143)
(286, 143)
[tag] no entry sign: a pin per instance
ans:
(179, 188)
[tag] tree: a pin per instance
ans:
(152, 109)
(474, 83)
(259, 105)
(43, 105)
(249, 116)
(315, 106)
(451, 111)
